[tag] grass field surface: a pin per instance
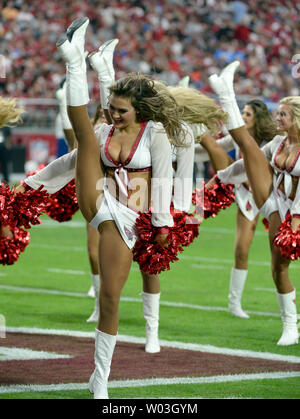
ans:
(46, 290)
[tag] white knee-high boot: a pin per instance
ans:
(151, 315)
(60, 94)
(223, 87)
(104, 349)
(71, 47)
(102, 63)
(96, 286)
(237, 283)
(288, 310)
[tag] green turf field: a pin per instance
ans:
(193, 305)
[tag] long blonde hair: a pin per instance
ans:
(197, 108)
(10, 112)
(294, 103)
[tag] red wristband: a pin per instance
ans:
(296, 216)
(216, 178)
(24, 184)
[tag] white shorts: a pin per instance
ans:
(276, 202)
(124, 217)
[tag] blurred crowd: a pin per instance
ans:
(166, 38)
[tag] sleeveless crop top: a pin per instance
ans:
(285, 174)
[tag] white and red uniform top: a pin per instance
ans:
(243, 196)
(151, 151)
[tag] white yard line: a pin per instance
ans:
(42, 291)
(264, 289)
(215, 263)
(66, 271)
(132, 300)
(21, 388)
(24, 354)
(56, 224)
(59, 248)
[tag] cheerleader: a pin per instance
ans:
(273, 173)
(11, 243)
(261, 126)
(136, 155)
(195, 108)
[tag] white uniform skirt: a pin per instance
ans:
(244, 200)
(124, 217)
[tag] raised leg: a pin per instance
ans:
(102, 63)
(258, 169)
(89, 173)
(93, 245)
(89, 190)
(218, 156)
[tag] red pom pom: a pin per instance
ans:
(208, 202)
(151, 256)
(288, 241)
(11, 247)
(186, 226)
(22, 238)
(63, 204)
(6, 208)
(28, 206)
(22, 209)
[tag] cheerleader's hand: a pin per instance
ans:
(5, 231)
(162, 239)
(295, 224)
(162, 236)
(213, 181)
(19, 189)
(199, 130)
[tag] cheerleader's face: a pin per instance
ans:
(284, 118)
(121, 112)
(248, 116)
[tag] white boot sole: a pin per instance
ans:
(239, 313)
(94, 317)
(152, 345)
(78, 23)
(289, 338)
